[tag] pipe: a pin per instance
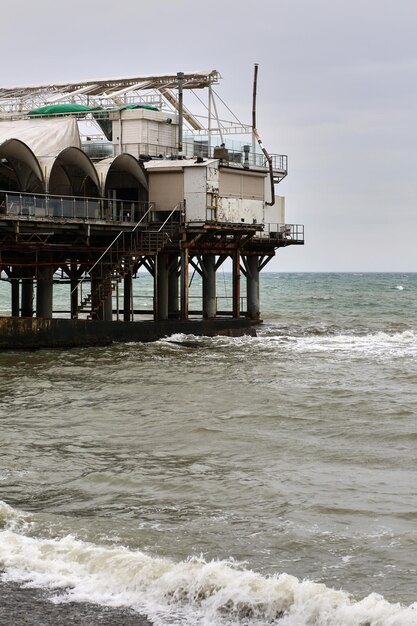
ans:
(258, 139)
(255, 83)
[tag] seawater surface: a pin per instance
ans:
(259, 480)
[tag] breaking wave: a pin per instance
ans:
(191, 592)
(384, 344)
(380, 343)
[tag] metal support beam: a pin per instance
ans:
(101, 295)
(149, 264)
(180, 78)
(75, 273)
(264, 261)
(197, 266)
(209, 286)
(107, 305)
(221, 259)
(97, 310)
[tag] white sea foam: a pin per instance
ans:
(13, 519)
(382, 344)
(192, 592)
(178, 338)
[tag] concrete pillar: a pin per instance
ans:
(209, 286)
(44, 292)
(15, 296)
(236, 283)
(127, 297)
(184, 283)
(161, 278)
(173, 299)
(252, 287)
(27, 295)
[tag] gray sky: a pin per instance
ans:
(337, 92)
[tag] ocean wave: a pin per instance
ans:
(191, 592)
(382, 344)
(13, 519)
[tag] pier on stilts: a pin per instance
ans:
(154, 189)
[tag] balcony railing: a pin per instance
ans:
(27, 206)
(286, 233)
(38, 206)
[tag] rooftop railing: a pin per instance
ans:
(97, 148)
(239, 154)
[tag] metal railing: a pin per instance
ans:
(114, 264)
(235, 155)
(142, 220)
(143, 304)
(145, 149)
(279, 162)
(283, 232)
(97, 148)
(120, 256)
(172, 222)
(25, 205)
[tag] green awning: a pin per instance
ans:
(71, 107)
(57, 109)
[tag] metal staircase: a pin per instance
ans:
(120, 258)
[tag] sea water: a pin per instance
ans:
(259, 480)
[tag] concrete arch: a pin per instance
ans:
(123, 177)
(73, 174)
(19, 168)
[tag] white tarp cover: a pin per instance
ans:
(45, 137)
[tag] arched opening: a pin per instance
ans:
(126, 179)
(73, 174)
(124, 184)
(19, 168)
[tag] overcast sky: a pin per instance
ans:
(337, 92)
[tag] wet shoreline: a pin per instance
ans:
(23, 606)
